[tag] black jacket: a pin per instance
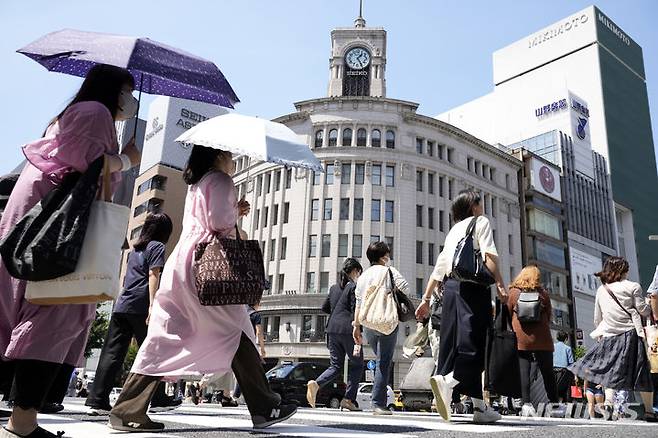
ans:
(340, 304)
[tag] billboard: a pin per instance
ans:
(583, 267)
(545, 179)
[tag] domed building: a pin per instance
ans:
(390, 175)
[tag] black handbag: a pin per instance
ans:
(468, 264)
(46, 243)
(406, 309)
(229, 271)
(502, 371)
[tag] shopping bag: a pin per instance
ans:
(576, 392)
(379, 311)
(502, 373)
(651, 342)
(96, 276)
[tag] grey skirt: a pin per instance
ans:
(616, 362)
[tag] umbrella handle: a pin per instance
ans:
(139, 100)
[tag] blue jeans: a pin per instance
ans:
(341, 345)
(383, 347)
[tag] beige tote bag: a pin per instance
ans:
(96, 278)
(378, 309)
(651, 339)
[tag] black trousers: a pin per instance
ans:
(544, 361)
(6, 377)
(341, 345)
(465, 319)
(123, 327)
(36, 382)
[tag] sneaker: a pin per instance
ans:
(348, 405)
(51, 408)
(486, 416)
(229, 402)
(146, 425)
(169, 405)
(458, 408)
(442, 396)
(528, 410)
(312, 389)
(276, 415)
(381, 411)
(95, 411)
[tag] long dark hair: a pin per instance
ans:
(462, 207)
(158, 227)
(201, 161)
(349, 265)
(103, 84)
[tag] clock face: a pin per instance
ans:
(357, 58)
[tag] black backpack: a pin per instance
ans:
(528, 307)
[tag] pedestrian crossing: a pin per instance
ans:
(214, 420)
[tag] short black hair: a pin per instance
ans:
(462, 207)
(377, 250)
(158, 227)
(562, 336)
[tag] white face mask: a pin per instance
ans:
(127, 106)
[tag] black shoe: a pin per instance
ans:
(146, 425)
(95, 411)
(229, 403)
(276, 415)
(39, 432)
(51, 408)
(5, 413)
(168, 405)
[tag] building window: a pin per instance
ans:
(441, 220)
(376, 138)
(346, 173)
(376, 210)
(359, 173)
(450, 184)
(419, 252)
(324, 282)
(310, 283)
(441, 182)
(450, 153)
(419, 287)
(257, 219)
(430, 148)
(430, 218)
(342, 245)
(307, 329)
(510, 243)
(268, 180)
(439, 151)
(135, 233)
(316, 178)
(389, 211)
(347, 137)
(344, 209)
(274, 331)
(280, 283)
(544, 223)
(357, 246)
(315, 209)
(419, 145)
(319, 137)
(158, 182)
(361, 137)
(419, 215)
(329, 174)
(507, 181)
(430, 183)
(320, 324)
(286, 212)
(266, 216)
(288, 178)
(277, 181)
(390, 176)
(326, 245)
(389, 242)
(312, 245)
(327, 209)
(419, 180)
(358, 209)
(259, 185)
(284, 247)
(374, 238)
(390, 139)
(275, 215)
(493, 207)
(376, 175)
(153, 205)
(333, 137)
(272, 249)
(430, 254)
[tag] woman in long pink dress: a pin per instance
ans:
(45, 343)
(185, 338)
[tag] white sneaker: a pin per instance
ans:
(486, 416)
(442, 396)
(527, 410)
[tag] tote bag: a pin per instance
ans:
(502, 373)
(651, 339)
(96, 277)
(379, 310)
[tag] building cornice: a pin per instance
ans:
(413, 106)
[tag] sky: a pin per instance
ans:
(276, 52)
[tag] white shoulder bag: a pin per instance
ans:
(379, 311)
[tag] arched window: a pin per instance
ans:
(376, 139)
(319, 136)
(333, 137)
(347, 137)
(361, 137)
(390, 139)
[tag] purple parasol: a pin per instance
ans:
(156, 67)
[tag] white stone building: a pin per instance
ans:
(391, 174)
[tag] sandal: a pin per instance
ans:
(650, 417)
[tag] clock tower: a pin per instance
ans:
(357, 65)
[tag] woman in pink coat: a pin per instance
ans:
(44, 343)
(185, 338)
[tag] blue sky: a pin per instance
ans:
(276, 52)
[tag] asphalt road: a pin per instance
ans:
(214, 421)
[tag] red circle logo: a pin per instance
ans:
(547, 179)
